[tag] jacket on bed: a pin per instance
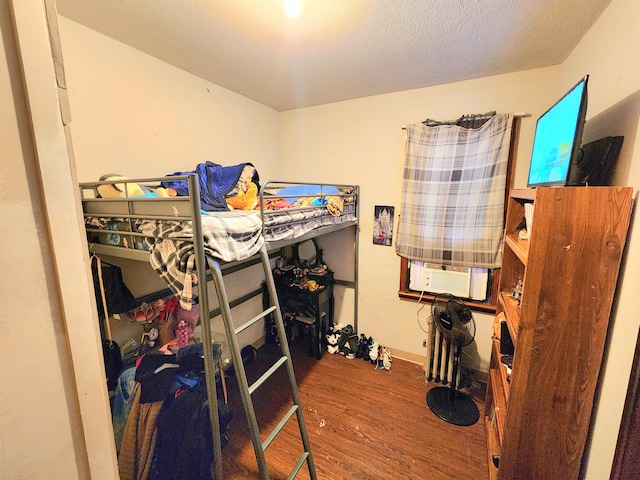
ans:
(216, 182)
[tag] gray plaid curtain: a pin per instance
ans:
(452, 210)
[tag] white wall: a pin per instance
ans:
(609, 54)
(139, 117)
(361, 141)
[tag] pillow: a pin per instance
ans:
(306, 190)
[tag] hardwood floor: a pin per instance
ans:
(363, 423)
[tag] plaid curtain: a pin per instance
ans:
(453, 193)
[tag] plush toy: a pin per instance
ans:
(244, 200)
(166, 192)
(333, 336)
(114, 190)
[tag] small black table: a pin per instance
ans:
(318, 304)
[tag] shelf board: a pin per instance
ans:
(519, 247)
(492, 448)
(499, 402)
(511, 314)
(523, 194)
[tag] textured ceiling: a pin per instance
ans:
(341, 49)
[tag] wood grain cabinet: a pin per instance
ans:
(538, 410)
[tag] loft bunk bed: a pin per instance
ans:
(179, 239)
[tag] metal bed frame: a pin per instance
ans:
(187, 208)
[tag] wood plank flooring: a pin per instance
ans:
(363, 423)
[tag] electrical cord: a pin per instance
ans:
(421, 305)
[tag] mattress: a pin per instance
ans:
(228, 236)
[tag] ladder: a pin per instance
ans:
(247, 390)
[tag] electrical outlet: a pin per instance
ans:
(424, 343)
(426, 277)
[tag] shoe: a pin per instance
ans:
(351, 347)
(373, 352)
(345, 333)
(384, 361)
(362, 346)
(365, 349)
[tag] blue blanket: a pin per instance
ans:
(215, 182)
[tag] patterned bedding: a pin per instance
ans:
(228, 236)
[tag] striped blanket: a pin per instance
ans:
(229, 236)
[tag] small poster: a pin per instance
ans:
(383, 225)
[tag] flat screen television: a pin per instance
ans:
(556, 143)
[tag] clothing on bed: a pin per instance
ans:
(216, 183)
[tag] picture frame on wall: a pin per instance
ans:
(383, 225)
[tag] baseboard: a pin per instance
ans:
(479, 376)
(259, 342)
(408, 356)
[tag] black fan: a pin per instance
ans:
(455, 323)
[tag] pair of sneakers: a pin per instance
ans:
(348, 342)
(364, 346)
(380, 356)
(384, 358)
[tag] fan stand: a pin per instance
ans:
(451, 405)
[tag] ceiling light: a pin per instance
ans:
(292, 8)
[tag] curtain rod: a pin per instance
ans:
(515, 115)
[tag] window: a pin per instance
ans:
(409, 287)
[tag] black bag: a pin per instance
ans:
(118, 297)
(112, 362)
(113, 296)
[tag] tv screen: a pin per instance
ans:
(556, 142)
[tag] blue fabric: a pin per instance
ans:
(123, 400)
(215, 182)
(307, 190)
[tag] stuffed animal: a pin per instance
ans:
(114, 190)
(333, 336)
(244, 200)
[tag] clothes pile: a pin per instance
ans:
(161, 417)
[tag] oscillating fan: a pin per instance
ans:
(455, 323)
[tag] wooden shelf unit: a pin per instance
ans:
(537, 418)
